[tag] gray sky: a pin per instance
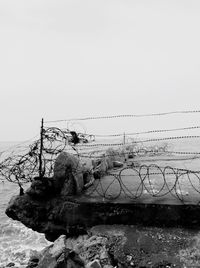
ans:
(63, 59)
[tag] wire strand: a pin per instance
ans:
(123, 116)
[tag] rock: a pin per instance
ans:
(90, 248)
(93, 248)
(103, 255)
(101, 168)
(74, 260)
(67, 179)
(117, 164)
(41, 188)
(34, 260)
(93, 264)
(58, 255)
(58, 247)
(32, 264)
(11, 264)
(68, 168)
(47, 260)
(114, 155)
(123, 246)
(66, 215)
(109, 160)
(69, 259)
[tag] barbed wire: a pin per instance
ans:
(23, 167)
(152, 180)
(140, 141)
(20, 166)
(145, 132)
(123, 116)
(168, 159)
(140, 153)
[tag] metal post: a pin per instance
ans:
(124, 139)
(124, 149)
(41, 149)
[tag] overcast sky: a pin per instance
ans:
(70, 58)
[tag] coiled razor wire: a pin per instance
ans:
(129, 182)
(24, 166)
(21, 164)
(148, 180)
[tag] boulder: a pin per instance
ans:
(68, 172)
(94, 264)
(58, 255)
(58, 247)
(110, 159)
(10, 264)
(67, 179)
(42, 188)
(124, 246)
(117, 164)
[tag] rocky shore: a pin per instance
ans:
(123, 246)
(109, 246)
(103, 235)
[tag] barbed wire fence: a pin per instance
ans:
(37, 158)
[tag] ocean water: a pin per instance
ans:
(17, 242)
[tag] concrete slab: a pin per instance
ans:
(131, 185)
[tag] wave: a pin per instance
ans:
(18, 243)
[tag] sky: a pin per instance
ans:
(73, 58)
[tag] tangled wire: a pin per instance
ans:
(22, 165)
(148, 180)
(129, 182)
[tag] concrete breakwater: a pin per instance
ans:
(58, 206)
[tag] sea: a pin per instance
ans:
(18, 243)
